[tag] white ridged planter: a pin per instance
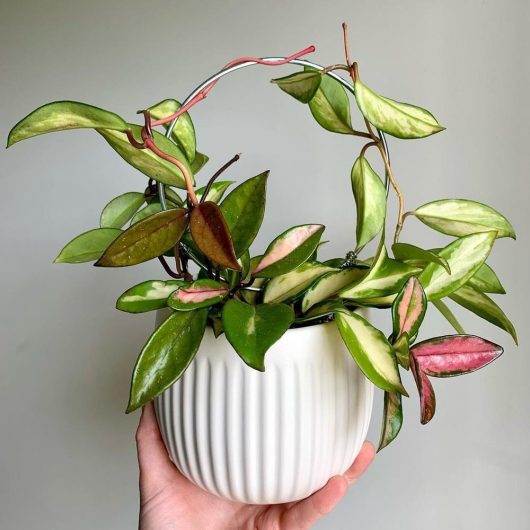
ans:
(271, 437)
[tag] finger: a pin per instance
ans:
(361, 463)
(307, 512)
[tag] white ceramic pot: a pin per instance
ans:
(271, 437)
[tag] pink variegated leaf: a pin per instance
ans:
(455, 354)
(408, 309)
(201, 293)
(289, 250)
(425, 390)
(392, 419)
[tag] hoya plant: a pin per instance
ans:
(201, 230)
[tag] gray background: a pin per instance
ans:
(67, 456)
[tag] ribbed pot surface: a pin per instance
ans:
(271, 437)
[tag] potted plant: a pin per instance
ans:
(263, 366)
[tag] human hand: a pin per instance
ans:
(169, 501)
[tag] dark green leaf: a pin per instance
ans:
(87, 246)
(289, 250)
(147, 296)
(121, 209)
(146, 239)
(392, 419)
(412, 254)
(145, 160)
(301, 85)
(210, 233)
(252, 330)
(62, 116)
(167, 354)
(243, 210)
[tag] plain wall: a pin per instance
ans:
(67, 454)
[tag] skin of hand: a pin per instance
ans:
(169, 501)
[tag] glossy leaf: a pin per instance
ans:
(167, 354)
(324, 309)
(392, 419)
(200, 293)
(146, 239)
(385, 276)
(121, 209)
(461, 217)
(425, 391)
(464, 256)
(145, 160)
(199, 162)
(289, 286)
(370, 197)
(408, 309)
(330, 106)
(455, 354)
(483, 306)
(87, 246)
(253, 329)
(216, 191)
(401, 347)
(392, 117)
(147, 296)
(449, 316)
(328, 285)
(371, 351)
(486, 280)
(62, 116)
(152, 208)
(301, 85)
(183, 132)
(243, 210)
(210, 233)
(289, 250)
(416, 255)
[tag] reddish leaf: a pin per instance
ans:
(210, 233)
(392, 419)
(425, 390)
(409, 308)
(200, 293)
(455, 354)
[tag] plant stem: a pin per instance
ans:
(217, 174)
(168, 269)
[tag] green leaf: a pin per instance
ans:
(152, 208)
(408, 309)
(198, 294)
(385, 276)
(167, 354)
(330, 106)
(121, 209)
(147, 296)
(62, 116)
(327, 308)
(392, 419)
(328, 285)
(402, 350)
(216, 191)
(464, 257)
(146, 239)
(183, 132)
(486, 280)
(210, 233)
(145, 160)
(483, 306)
(199, 162)
(416, 255)
(289, 286)
(289, 250)
(243, 210)
(371, 351)
(449, 316)
(461, 217)
(301, 85)
(370, 197)
(252, 330)
(87, 246)
(392, 117)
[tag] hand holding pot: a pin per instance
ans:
(169, 501)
